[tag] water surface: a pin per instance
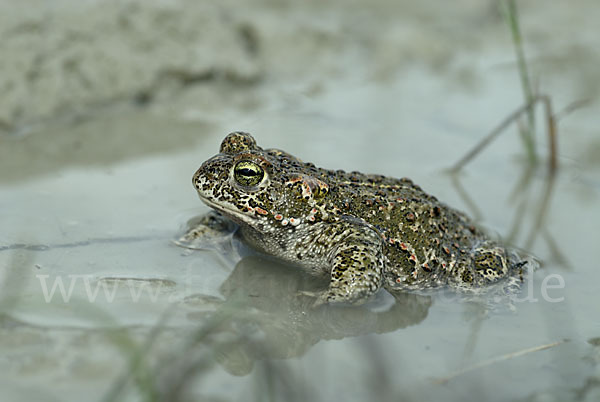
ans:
(94, 206)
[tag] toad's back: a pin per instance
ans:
(426, 243)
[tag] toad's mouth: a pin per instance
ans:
(228, 210)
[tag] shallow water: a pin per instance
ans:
(95, 206)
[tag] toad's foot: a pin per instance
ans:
(207, 232)
(321, 298)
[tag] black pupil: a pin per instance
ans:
(247, 172)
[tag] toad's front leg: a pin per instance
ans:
(207, 231)
(357, 268)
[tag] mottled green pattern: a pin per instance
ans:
(365, 231)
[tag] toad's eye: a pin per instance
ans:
(248, 173)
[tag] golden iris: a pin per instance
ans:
(248, 173)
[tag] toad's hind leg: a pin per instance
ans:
(488, 264)
(357, 269)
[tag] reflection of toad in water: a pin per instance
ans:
(276, 321)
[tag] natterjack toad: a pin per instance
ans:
(363, 231)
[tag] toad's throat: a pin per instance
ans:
(228, 209)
